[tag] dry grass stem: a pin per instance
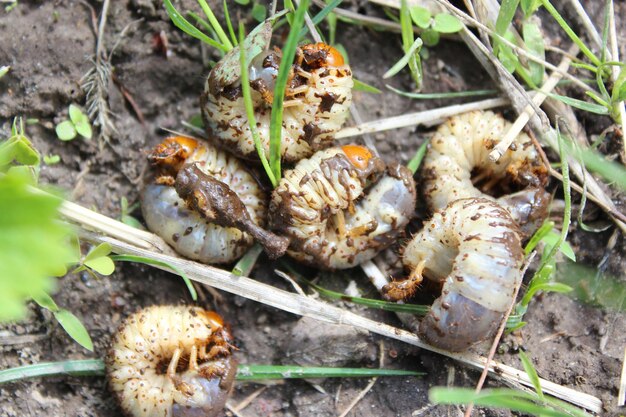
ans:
(615, 74)
(586, 22)
(525, 116)
(428, 117)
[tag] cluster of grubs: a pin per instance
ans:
(335, 208)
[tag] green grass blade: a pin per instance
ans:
(216, 25)
(96, 367)
(545, 228)
(183, 24)
(289, 53)
(555, 14)
(504, 19)
(532, 373)
(582, 105)
(87, 367)
(406, 27)
(317, 19)
(154, 262)
(402, 62)
(247, 99)
(416, 161)
(611, 171)
(362, 86)
(455, 94)
(229, 25)
(264, 372)
(246, 263)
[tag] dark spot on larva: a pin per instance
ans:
(175, 237)
(475, 217)
(459, 278)
(188, 231)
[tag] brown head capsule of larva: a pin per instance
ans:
(342, 206)
(316, 103)
(457, 165)
(218, 177)
(172, 362)
(472, 247)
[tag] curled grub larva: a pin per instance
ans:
(317, 100)
(473, 247)
(171, 361)
(457, 165)
(342, 206)
(192, 233)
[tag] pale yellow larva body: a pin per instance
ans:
(459, 151)
(189, 233)
(333, 221)
(473, 247)
(313, 112)
(139, 361)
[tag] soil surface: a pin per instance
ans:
(50, 46)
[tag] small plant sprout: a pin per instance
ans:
(51, 159)
(77, 124)
(4, 70)
(434, 26)
(125, 214)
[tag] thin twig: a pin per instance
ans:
(621, 396)
(524, 117)
(588, 25)
(615, 74)
(248, 400)
(496, 339)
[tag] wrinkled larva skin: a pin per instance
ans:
(473, 247)
(187, 231)
(461, 147)
(317, 103)
(168, 361)
(312, 199)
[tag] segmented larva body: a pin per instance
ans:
(168, 361)
(342, 206)
(186, 230)
(458, 157)
(316, 105)
(473, 247)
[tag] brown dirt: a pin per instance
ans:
(48, 45)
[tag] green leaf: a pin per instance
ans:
(98, 260)
(430, 37)
(545, 228)
(421, 16)
(259, 12)
(44, 300)
(33, 244)
(552, 238)
(51, 159)
(65, 130)
(408, 40)
(317, 19)
(532, 373)
(416, 161)
(410, 53)
(533, 38)
(582, 105)
(508, 58)
(73, 326)
(446, 23)
(243, 2)
(81, 121)
(362, 86)
(245, 265)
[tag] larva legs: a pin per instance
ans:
(404, 289)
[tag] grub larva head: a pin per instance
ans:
(320, 55)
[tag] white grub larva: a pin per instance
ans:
(193, 234)
(342, 206)
(457, 165)
(473, 247)
(317, 102)
(168, 361)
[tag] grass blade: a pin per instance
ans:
(216, 25)
(582, 105)
(416, 161)
(289, 53)
(87, 367)
(532, 373)
(317, 19)
(229, 25)
(154, 262)
(246, 263)
(362, 86)
(247, 99)
(183, 24)
(402, 62)
(264, 372)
